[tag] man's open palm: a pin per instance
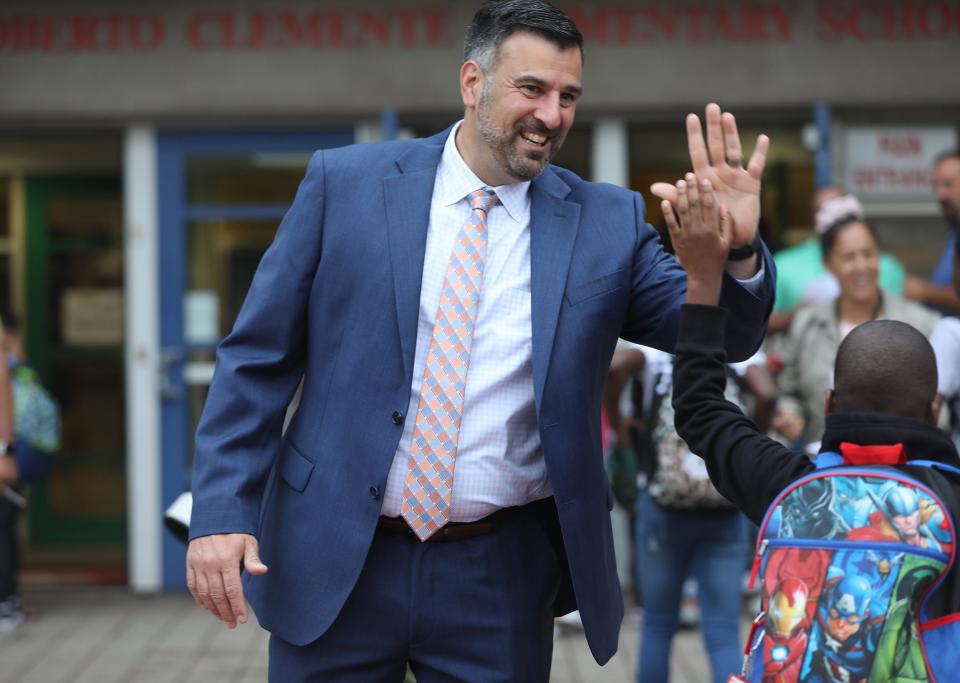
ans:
(720, 160)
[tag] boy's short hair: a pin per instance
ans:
(885, 366)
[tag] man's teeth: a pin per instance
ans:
(535, 139)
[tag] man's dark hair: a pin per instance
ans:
(885, 366)
(828, 239)
(496, 20)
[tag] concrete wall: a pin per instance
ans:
(302, 58)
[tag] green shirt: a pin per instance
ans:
(799, 266)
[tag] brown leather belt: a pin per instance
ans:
(456, 531)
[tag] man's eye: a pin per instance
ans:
(530, 89)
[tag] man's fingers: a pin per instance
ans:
(715, 135)
(698, 150)
(759, 157)
(731, 140)
(202, 594)
(233, 590)
(218, 596)
(251, 557)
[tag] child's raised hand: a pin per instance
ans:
(701, 238)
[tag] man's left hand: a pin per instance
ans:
(720, 161)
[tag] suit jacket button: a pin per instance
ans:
(375, 493)
(397, 417)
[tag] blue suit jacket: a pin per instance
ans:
(335, 301)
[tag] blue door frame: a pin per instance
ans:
(175, 148)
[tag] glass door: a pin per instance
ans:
(74, 325)
(222, 197)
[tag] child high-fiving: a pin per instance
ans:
(700, 231)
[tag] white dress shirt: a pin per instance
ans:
(499, 462)
(945, 341)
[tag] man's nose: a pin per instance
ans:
(548, 113)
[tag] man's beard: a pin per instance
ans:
(522, 166)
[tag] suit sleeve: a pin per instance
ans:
(259, 365)
(747, 467)
(659, 286)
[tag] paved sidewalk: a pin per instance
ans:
(109, 635)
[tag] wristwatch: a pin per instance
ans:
(746, 251)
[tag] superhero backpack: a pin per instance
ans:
(848, 557)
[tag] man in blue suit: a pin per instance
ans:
(400, 267)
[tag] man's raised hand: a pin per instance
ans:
(720, 161)
(701, 238)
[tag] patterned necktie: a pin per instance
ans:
(429, 482)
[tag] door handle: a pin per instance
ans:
(170, 357)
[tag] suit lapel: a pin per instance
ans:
(407, 196)
(553, 231)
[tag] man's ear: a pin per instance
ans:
(471, 83)
(830, 406)
(935, 406)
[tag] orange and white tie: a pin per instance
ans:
(429, 481)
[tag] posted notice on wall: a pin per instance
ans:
(894, 162)
(92, 316)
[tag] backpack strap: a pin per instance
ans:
(828, 459)
(940, 466)
(833, 459)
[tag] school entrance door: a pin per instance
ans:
(221, 198)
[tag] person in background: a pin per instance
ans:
(945, 341)
(939, 292)
(29, 437)
(851, 252)
(11, 614)
(690, 542)
(802, 277)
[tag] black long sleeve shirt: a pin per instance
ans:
(748, 467)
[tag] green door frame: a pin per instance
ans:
(45, 526)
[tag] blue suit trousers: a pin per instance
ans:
(476, 609)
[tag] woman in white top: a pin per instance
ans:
(851, 252)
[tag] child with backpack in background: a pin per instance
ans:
(27, 458)
(856, 550)
(685, 530)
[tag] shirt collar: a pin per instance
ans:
(455, 180)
